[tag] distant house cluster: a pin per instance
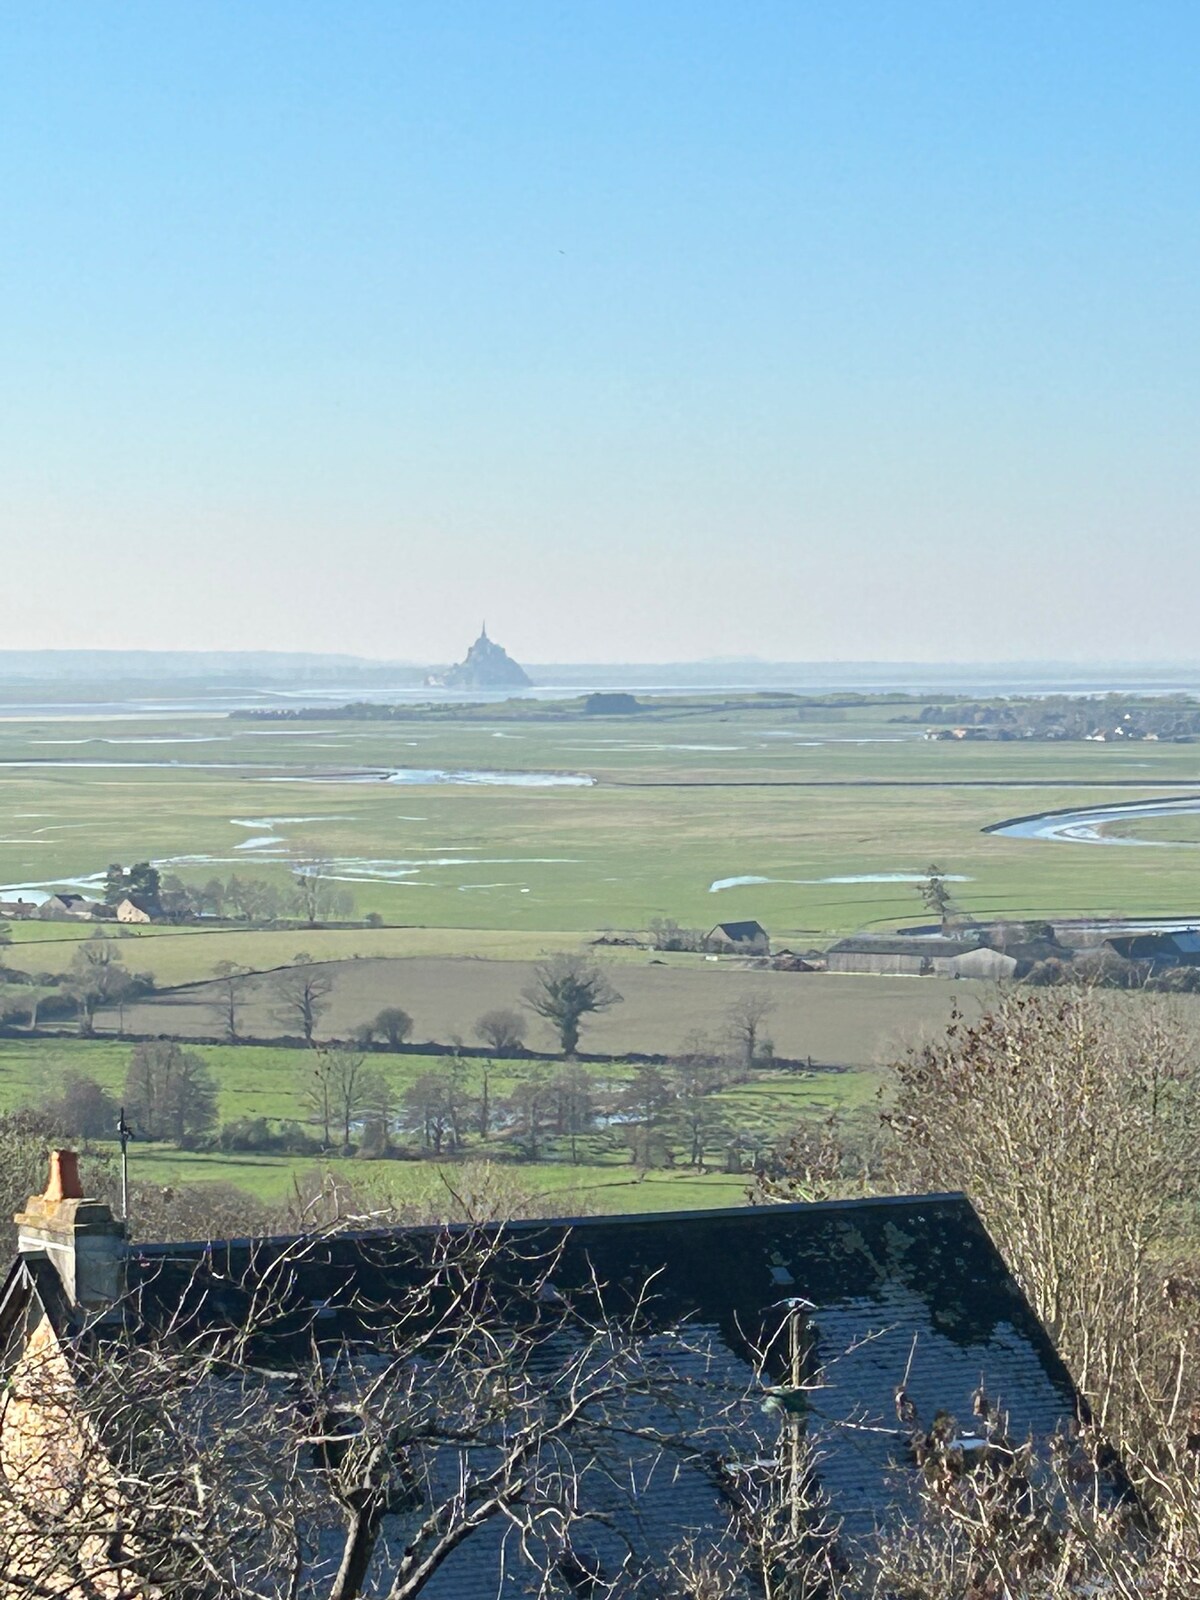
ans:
(69, 907)
(1046, 954)
(1126, 730)
(1097, 719)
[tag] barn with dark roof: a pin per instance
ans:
(739, 938)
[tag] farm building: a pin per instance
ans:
(918, 956)
(1162, 949)
(130, 911)
(739, 938)
(17, 910)
(309, 1364)
(60, 907)
(790, 961)
(983, 962)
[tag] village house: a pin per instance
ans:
(17, 910)
(739, 938)
(130, 911)
(352, 1383)
(60, 907)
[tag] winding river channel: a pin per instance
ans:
(1086, 825)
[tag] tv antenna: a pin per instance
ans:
(124, 1134)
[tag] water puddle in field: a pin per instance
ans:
(352, 870)
(398, 775)
(852, 877)
(70, 764)
(149, 738)
(443, 775)
(278, 822)
(624, 746)
(1086, 826)
(403, 873)
(842, 738)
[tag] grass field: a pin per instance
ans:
(1159, 830)
(813, 821)
(816, 806)
(267, 1081)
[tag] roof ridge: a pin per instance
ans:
(955, 1198)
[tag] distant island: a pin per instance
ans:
(487, 666)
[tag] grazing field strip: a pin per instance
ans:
(268, 1081)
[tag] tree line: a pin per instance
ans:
(349, 1102)
(313, 896)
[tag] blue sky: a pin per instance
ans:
(650, 330)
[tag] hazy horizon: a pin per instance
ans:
(649, 332)
(86, 655)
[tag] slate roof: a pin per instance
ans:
(741, 932)
(924, 945)
(886, 1279)
(1155, 946)
(892, 1284)
(1144, 946)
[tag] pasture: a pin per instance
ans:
(269, 1081)
(816, 822)
(813, 823)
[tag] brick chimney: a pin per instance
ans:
(80, 1237)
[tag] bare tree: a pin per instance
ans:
(573, 1098)
(253, 899)
(435, 1106)
(310, 887)
(302, 992)
(317, 894)
(502, 1030)
(82, 1107)
(380, 1109)
(230, 981)
(318, 1094)
(1071, 1118)
(744, 1021)
(565, 989)
(394, 1025)
(97, 977)
(698, 1116)
(345, 1088)
(666, 934)
(528, 1108)
(170, 1092)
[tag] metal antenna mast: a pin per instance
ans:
(124, 1134)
